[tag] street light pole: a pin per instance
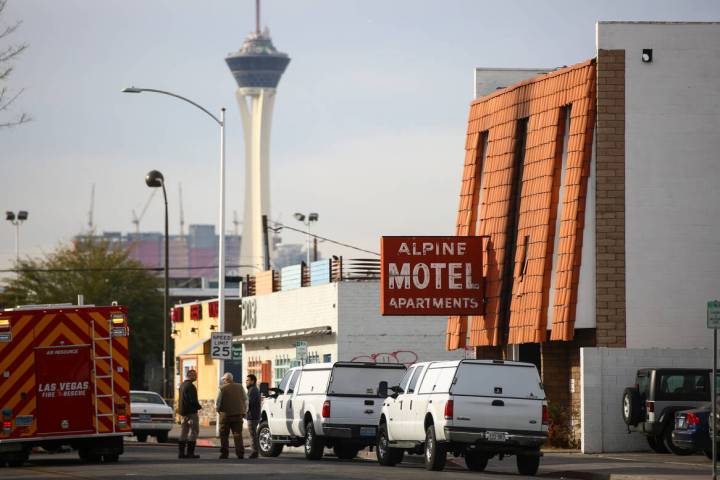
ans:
(221, 244)
(307, 220)
(156, 179)
(16, 221)
(221, 252)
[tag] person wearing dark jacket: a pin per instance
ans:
(188, 406)
(253, 413)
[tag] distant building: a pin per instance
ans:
(191, 256)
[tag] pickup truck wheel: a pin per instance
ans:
(268, 448)
(656, 444)
(476, 461)
(313, 444)
(435, 452)
(528, 464)
(142, 437)
(670, 444)
(345, 452)
(162, 437)
(387, 456)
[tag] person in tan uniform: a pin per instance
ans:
(232, 406)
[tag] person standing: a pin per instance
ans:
(253, 413)
(188, 406)
(232, 405)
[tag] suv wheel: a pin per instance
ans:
(656, 444)
(387, 456)
(528, 464)
(313, 444)
(435, 452)
(632, 406)
(667, 436)
(268, 448)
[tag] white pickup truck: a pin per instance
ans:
(471, 408)
(322, 405)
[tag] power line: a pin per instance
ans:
(323, 238)
(118, 269)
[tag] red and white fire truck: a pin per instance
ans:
(64, 381)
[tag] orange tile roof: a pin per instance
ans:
(542, 100)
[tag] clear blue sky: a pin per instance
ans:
(369, 122)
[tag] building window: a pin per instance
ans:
(327, 358)
(556, 207)
(513, 217)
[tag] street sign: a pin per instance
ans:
(237, 351)
(431, 276)
(301, 349)
(713, 314)
(221, 345)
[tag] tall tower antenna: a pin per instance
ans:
(257, 68)
(257, 17)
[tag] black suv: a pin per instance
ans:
(649, 407)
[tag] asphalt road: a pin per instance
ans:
(160, 461)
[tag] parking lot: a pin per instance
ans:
(160, 461)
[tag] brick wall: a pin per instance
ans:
(610, 199)
(561, 377)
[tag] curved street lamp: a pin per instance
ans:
(221, 247)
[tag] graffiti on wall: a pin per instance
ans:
(405, 357)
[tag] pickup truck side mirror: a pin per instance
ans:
(396, 390)
(275, 392)
(264, 389)
(383, 389)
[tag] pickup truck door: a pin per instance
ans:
(394, 420)
(410, 406)
(276, 407)
(293, 406)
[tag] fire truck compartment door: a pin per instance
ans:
(64, 390)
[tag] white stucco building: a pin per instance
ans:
(339, 321)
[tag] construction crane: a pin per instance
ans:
(236, 223)
(92, 208)
(182, 215)
(136, 219)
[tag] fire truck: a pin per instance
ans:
(64, 381)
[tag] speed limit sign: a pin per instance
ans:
(221, 345)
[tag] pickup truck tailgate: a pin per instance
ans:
(497, 413)
(497, 396)
(354, 392)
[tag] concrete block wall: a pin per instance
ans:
(604, 374)
(364, 334)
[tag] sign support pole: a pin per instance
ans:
(714, 405)
(713, 321)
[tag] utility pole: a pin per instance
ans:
(92, 207)
(182, 215)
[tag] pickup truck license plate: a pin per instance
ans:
(496, 436)
(367, 431)
(144, 417)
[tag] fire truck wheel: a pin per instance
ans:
(111, 458)
(88, 456)
(18, 460)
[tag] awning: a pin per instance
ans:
(300, 332)
(188, 350)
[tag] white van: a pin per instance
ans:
(474, 408)
(322, 405)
